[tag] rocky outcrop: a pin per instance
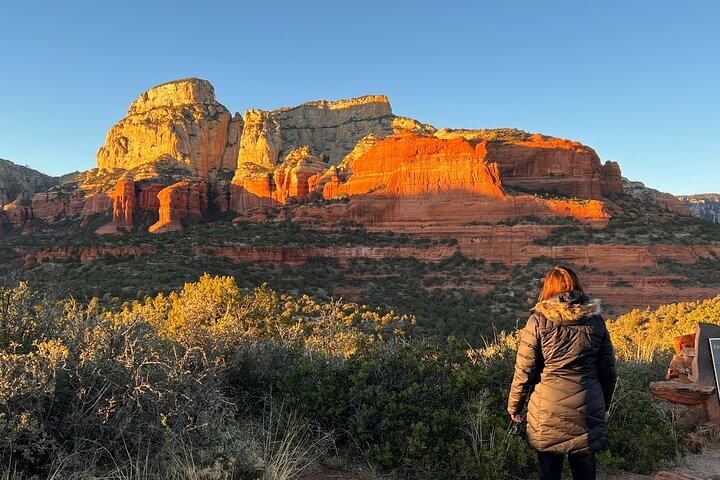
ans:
(410, 178)
(289, 182)
(333, 128)
(21, 183)
(179, 121)
(414, 165)
(705, 206)
(261, 141)
(18, 186)
(124, 202)
(180, 202)
(649, 196)
(534, 162)
(330, 130)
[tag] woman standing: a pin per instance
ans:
(565, 353)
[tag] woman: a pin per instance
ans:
(565, 353)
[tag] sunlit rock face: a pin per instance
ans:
(292, 181)
(537, 162)
(180, 202)
(179, 152)
(330, 130)
(180, 121)
(124, 201)
(423, 179)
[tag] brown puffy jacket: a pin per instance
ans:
(565, 353)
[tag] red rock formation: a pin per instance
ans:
(100, 202)
(540, 163)
(123, 206)
(147, 196)
(406, 179)
(555, 165)
(84, 254)
(415, 165)
(289, 182)
(179, 121)
(16, 213)
(182, 201)
(124, 202)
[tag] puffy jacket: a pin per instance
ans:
(565, 353)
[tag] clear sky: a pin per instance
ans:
(636, 80)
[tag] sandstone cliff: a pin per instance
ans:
(179, 121)
(534, 162)
(409, 178)
(331, 130)
(393, 169)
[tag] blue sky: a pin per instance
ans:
(636, 80)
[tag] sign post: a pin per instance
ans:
(715, 352)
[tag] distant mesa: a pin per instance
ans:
(704, 205)
(179, 156)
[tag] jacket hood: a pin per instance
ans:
(568, 307)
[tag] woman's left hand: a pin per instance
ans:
(516, 418)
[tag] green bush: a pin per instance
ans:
(96, 387)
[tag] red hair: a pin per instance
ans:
(559, 280)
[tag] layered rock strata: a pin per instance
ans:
(537, 162)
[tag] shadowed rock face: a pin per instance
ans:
(21, 183)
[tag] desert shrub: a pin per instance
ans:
(179, 382)
(641, 435)
(28, 384)
(645, 334)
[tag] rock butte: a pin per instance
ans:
(179, 154)
(394, 169)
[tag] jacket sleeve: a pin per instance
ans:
(528, 366)
(607, 373)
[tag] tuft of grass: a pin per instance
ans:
(289, 443)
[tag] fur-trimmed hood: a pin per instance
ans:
(568, 307)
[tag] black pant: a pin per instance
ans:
(582, 465)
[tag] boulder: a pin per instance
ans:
(683, 393)
(683, 341)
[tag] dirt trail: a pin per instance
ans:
(701, 465)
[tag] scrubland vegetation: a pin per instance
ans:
(214, 381)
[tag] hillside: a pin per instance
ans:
(21, 183)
